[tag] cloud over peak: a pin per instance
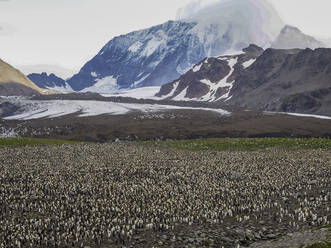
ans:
(194, 7)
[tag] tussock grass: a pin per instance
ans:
(246, 144)
(320, 245)
(19, 142)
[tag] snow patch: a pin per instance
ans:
(312, 116)
(172, 92)
(300, 115)
(63, 89)
(135, 47)
(135, 84)
(223, 83)
(197, 68)
(104, 85)
(181, 70)
(154, 44)
(232, 52)
(248, 63)
(228, 99)
(139, 93)
(182, 96)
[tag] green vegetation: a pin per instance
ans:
(320, 245)
(325, 226)
(215, 144)
(246, 144)
(17, 142)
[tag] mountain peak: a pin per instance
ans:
(49, 81)
(256, 21)
(291, 37)
(253, 49)
(289, 28)
(161, 54)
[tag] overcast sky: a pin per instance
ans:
(70, 32)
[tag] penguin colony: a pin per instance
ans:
(91, 195)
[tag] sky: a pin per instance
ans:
(67, 33)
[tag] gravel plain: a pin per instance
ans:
(131, 195)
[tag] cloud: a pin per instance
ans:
(6, 29)
(194, 7)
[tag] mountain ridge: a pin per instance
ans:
(14, 82)
(292, 37)
(279, 80)
(160, 54)
(49, 81)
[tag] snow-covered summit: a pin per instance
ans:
(146, 57)
(162, 53)
(291, 37)
(234, 23)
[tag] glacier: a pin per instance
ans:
(31, 109)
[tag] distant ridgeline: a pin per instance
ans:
(162, 53)
(291, 80)
(13, 82)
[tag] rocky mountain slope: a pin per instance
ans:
(49, 81)
(211, 79)
(162, 53)
(293, 80)
(292, 37)
(154, 56)
(13, 82)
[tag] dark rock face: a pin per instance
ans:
(46, 81)
(292, 80)
(287, 80)
(16, 89)
(210, 72)
(211, 69)
(299, 103)
(253, 50)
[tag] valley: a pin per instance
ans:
(90, 117)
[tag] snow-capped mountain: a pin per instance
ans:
(160, 54)
(58, 70)
(279, 80)
(291, 37)
(212, 79)
(49, 81)
(143, 58)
